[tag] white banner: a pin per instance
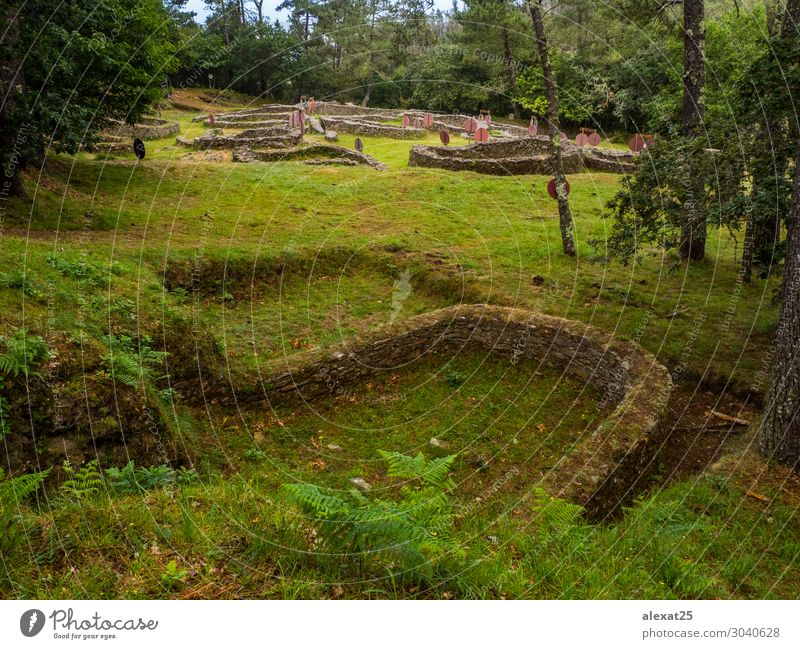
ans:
(406, 624)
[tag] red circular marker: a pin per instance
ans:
(211, 119)
(482, 135)
(470, 125)
(582, 139)
(444, 136)
(551, 188)
(533, 130)
(594, 139)
(428, 120)
(359, 145)
(406, 120)
(637, 143)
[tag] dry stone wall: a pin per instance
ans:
(601, 469)
(147, 129)
(518, 156)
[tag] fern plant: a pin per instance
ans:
(81, 483)
(133, 362)
(20, 354)
(133, 479)
(412, 537)
(13, 494)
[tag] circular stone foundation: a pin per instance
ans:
(600, 470)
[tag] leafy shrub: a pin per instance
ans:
(133, 479)
(454, 378)
(411, 537)
(19, 281)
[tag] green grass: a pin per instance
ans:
(88, 256)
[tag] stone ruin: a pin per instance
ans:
(600, 471)
(269, 133)
(519, 156)
(119, 137)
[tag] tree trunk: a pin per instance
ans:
(564, 213)
(12, 161)
(746, 268)
(510, 74)
(779, 436)
(370, 84)
(790, 24)
(693, 232)
(371, 81)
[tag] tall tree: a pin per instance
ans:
(779, 436)
(564, 212)
(69, 68)
(693, 234)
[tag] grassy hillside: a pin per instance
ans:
(162, 287)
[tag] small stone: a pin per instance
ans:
(537, 280)
(493, 539)
(438, 443)
(338, 356)
(333, 447)
(361, 484)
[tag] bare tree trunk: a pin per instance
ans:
(779, 436)
(259, 10)
(370, 84)
(371, 81)
(564, 213)
(693, 232)
(510, 74)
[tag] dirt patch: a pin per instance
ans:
(697, 437)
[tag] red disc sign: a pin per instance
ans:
(637, 143)
(470, 125)
(582, 139)
(444, 136)
(594, 139)
(359, 145)
(428, 120)
(406, 120)
(482, 135)
(533, 129)
(211, 119)
(551, 188)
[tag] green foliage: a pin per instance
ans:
(454, 378)
(131, 479)
(18, 280)
(20, 354)
(81, 483)
(651, 207)
(81, 64)
(411, 537)
(172, 577)
(13, 494)
(133, 362)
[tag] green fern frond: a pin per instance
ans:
(13, 491)
(434, 473)
(82, 482)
